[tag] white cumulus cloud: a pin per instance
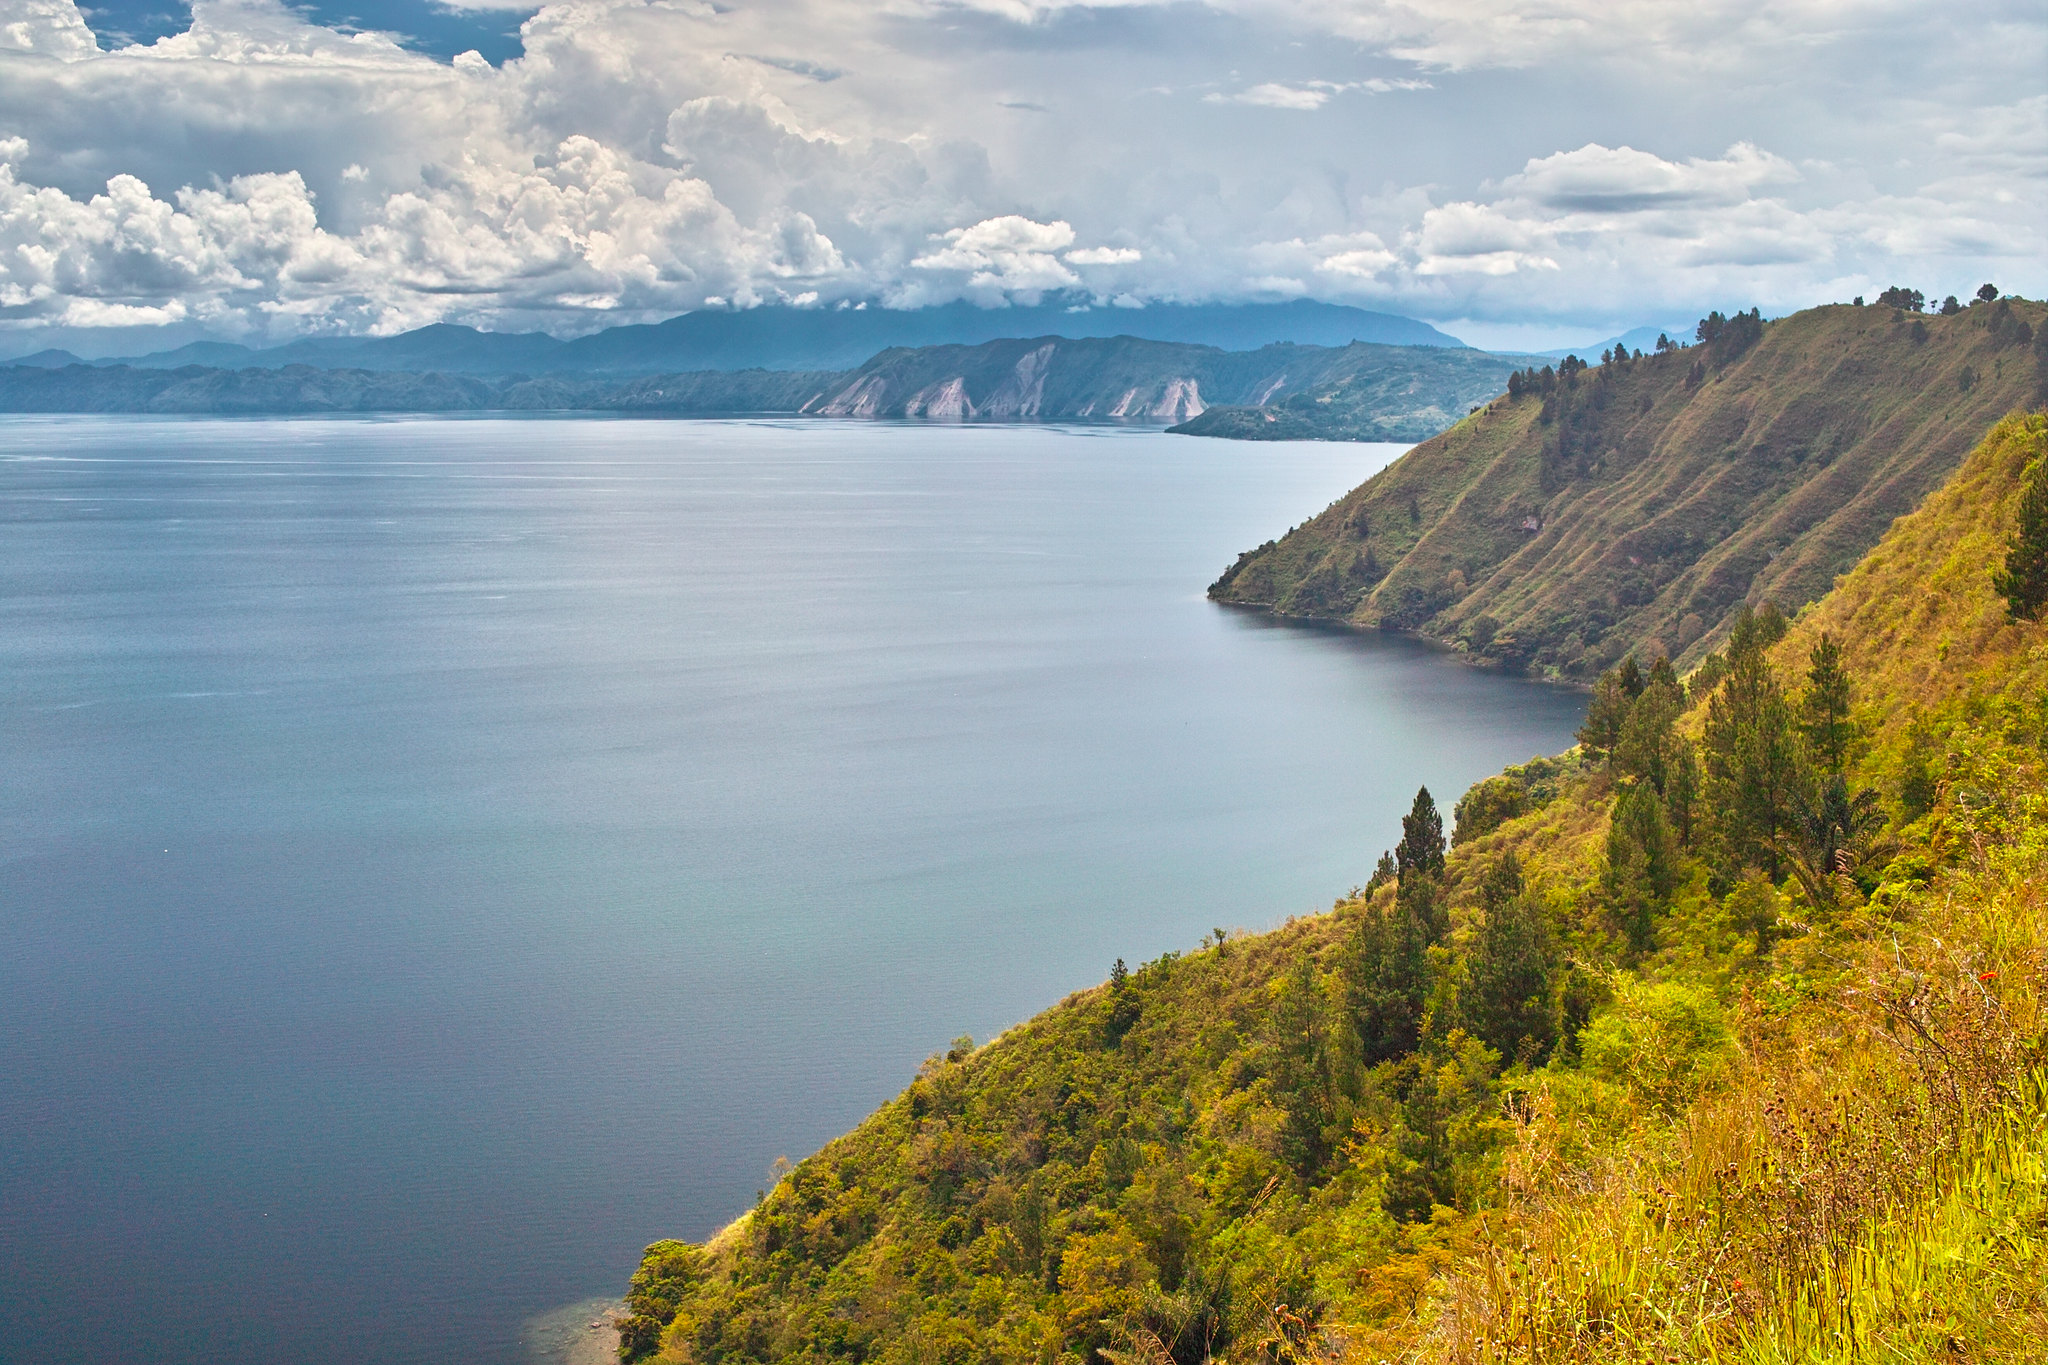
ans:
(263, 176)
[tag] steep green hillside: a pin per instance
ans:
(1636, 505)
(1719, 1039)
(1401, 393)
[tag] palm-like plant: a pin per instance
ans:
(1830, 833)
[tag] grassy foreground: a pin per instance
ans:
(1718, 1039)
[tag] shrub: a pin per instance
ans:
(1666, 1042)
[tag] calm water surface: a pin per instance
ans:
(439, 857)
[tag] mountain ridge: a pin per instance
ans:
(1418, 390)
(788, 338)
(1635, 505)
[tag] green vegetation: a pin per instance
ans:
(1362, 393)
(2023, 580)
(1631, 507)
(1720, 1039)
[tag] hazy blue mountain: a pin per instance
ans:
(48, 360)
(807, 339)
(1642, 339)
(1388, 392)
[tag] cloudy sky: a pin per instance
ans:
(1520, 172)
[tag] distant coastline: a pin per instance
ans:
(1390, 393)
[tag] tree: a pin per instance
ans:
(1124, 1005)
(1613, 696)
(1898, 296)
(2024, 579)
(1302, 1078)
(1950, 307)
(1386, 981)
(1987, 293)
(1824, 709)
(1642, 864)
(1422, 839)
(1752, 760)
(1919, 780)
(1757, 627)
(1647, 749)
(1829, 835)
(1507, 995)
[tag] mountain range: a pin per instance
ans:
(1403, 393)
(782, 338)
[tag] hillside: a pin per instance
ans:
(1404, 392)
(1635, 505)
(1720, 1038)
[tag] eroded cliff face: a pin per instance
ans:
(1124, 379)
(1021, 381)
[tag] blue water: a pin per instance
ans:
(439, 857)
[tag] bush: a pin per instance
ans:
(1666, 1042)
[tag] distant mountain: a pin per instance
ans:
(1393, 392)
(1642, 339)
(48, 360)
(807, 339)
(1420, 390)
(295, 389)
(1363, 393)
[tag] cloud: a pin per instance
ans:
(1004, 257)
(1273, 95)
(1597, 179)
(265, 176)
(48, 28)
(797, 66)
(1310, 94)
(1104, 255)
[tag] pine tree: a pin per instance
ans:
(1386, 981)
(1642, 865)
(1824, 709)
(1422, 839)
(1506, 1001)
(1648, 746)
(2024, 579)
(1613, 695)
(1753, 764)
(1301, 1073)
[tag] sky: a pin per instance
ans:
(1522, 173)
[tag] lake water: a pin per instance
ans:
(438, 858)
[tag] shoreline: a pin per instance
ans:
(585, 1332)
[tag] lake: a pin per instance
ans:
(439, 857)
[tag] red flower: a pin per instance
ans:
(1987, 976)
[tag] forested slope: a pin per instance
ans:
(1635, 505)
(1718, 1039)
